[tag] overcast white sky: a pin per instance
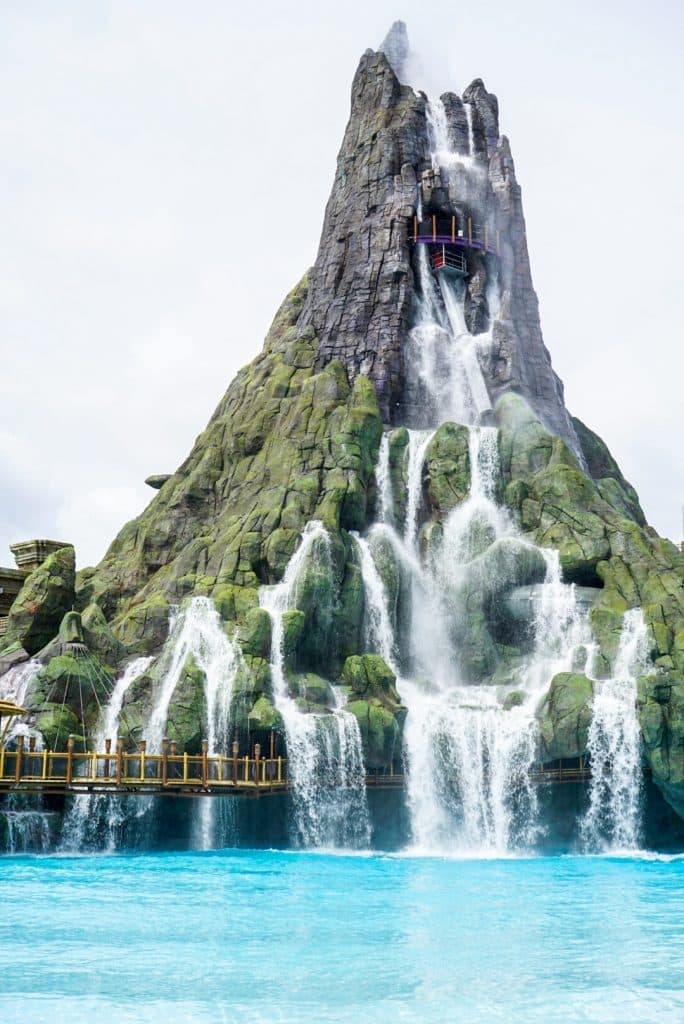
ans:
(164, 168)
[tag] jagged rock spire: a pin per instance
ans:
(363, 286)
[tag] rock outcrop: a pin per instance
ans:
(46, 596)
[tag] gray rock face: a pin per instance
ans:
(363, 287)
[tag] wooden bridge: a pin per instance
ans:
(170, 773)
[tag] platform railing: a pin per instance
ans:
(464, 233)
(139, 770)
(173, 773)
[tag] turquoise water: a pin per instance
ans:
(242, 936)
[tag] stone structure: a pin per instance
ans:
(29, 555)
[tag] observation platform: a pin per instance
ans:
(187, 775)
(459, 235)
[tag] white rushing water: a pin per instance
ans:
(14, 687)
(109, 727)
(467, 757)
(97, 820)
(324, 751)
(198, 632)
(613, 819)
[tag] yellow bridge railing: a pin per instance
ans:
(174, 774)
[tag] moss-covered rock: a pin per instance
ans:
(263, 717)
(597, 530)
(56, 722)
(311, 691)
(46, 596)
(187, 711)
(71, 629)
(99, 638)
(374, 701)
(254, 635)
(565, 716)
(82, 683)
(447, 461)
(660, 706)
(145, 626)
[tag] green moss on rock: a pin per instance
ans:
(564, 716)
(46, 596)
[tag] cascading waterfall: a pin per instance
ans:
(324, 751)
(97, 820)
(109, 729)
(14, 687)
(443, 354)
(27, 829)
(467, 757)
(198, 632)
(613, 818)
(27, 825)
(384, 482)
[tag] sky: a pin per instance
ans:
(164, 168)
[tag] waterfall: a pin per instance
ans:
(415, 455)
(324, 751)
(443, 156)
(384, 482)
(109, 728)
(97, 820)
(198, 632)
(612, 820)
(14, 687)
(467, 758)
(379, 635)
(27, 830)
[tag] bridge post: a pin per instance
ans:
(236, 748)
(205, 764)
(453, 229)
(19, 755)
(119, 760)
(143, 749)
(165, 761)
(257, 755)
(108, 750)
(272, 745)
(246, 767)
(70, 760)
(280, 768)
(470, 230)
(44, 768)
(434, 228)
(185, 766)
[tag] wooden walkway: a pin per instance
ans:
(172, 774)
